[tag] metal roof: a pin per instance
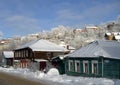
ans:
(43, 45)
(108, 49)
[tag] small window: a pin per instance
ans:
(94, 67)
(26, 53)
(85, 67)
(22, 53)
(77, 66)
(71, 66)
(18, 53)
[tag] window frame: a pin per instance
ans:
(84, 68)
(76, 67)
(93, 71)
(71, 67)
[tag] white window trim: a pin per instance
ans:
(77, 61)
(94, 61)
(70, 61)
(84, 66)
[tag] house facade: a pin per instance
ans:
(36, 50)
(7, 58)
(97, 59)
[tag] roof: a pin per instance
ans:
(114, 33)
(40, 60)
(108, 33)
(8, 54)
(91, 27)
(43, 45)
(108, 49)
(117, 37)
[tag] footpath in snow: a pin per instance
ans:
(53, 77)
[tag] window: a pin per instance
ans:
(18, 53)
(85, 67)
(26, 53)
(94, 67)
(77, 66)
(21, 53)
(71, 66)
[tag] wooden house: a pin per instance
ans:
(7, 58)
(58, 63)
(39, 49)
(97, 59)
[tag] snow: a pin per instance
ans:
(8, 54)
(53, 72)
(40, 60)
(43, 45)
(53, 77)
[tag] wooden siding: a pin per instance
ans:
(25, 53)
(43, 55)
(46, 55)
(111, 68)
(81, 73)
(108, 68)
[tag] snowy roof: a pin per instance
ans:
(43, 45)
(40, 60)
(109, 49)
(71, 48)
(114, 33)
(8, 54)
(117, 37)
(108, 33)
(91, 27)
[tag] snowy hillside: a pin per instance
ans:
(53, 77)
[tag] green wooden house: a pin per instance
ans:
(58, 62)
(97, 59)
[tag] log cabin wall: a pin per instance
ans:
(25, 53)
(46, 55)
(25, 56)
(40, 55)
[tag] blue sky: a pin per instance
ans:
(21, 17)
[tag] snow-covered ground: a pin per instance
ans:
(53, 77)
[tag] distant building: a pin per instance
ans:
(4, 41)
(7, 58)
(67, 46)
(112, 36)
(33, 36)
(97, 59)
(92, 27)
